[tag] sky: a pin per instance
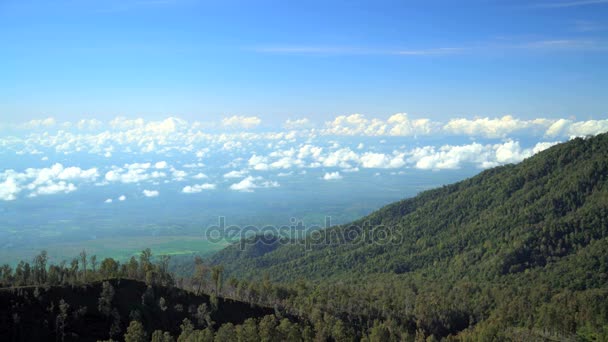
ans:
(279, 60)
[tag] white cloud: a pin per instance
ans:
(250, 183)
(297, 123)
(332, 176)
(381, 160)
(478, 155)
(54, 188)
(179, 175)
(493, 128)
(236, 174)
(9, 189)
(160, 165)
(151, 193)
(397, 125)
(241, 121)
(569, 128)
(39, 123)
(193, 189)
(89, 124)
(200, 175)
(109, 200)
(403, 126)
(122, 198)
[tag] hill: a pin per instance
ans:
(518, 251)
(69, 313)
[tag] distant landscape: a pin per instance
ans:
(307, 171)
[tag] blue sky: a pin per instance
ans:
(316, 59)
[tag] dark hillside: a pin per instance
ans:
(35, 313)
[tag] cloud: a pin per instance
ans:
(492, 128)
(200, 175)
(246, 122)
(109, 200)
(54, 188)
(9, 189)
(89, 124)
(397, 125)
(151, 193)
(39, 123)
(569, 128)
(477, 155)
(297, 123)
(332, 176)
(122, 198)
(250, 183)
(381, 160)
(133, 173)
(193, 189)
(236, 174)
(160, 165)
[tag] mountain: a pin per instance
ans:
(518, 251)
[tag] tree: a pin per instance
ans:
(162, 304)
(94, 263)
(6, 274)
(136, 333)
(162, 336)
(288, 331)
(267, 328)
(105, 299)
(62, 319)
(108, 268)
(83, 263)
(200, 273)
(186, 330)
(74, 269)
(216, 274)
(145, 262)
(248, 331)
(203, 316)
(40, 261)
(226, 333)
(133, 268)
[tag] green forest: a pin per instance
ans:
(516, 253)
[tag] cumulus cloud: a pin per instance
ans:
(493, 128)
(237, 121)
(39, 123)
(332, 176)
(44, 181)
(569, 128)
(381, 160)
(160, 165)
(122, 198)
(151, 193)
(297, 123)
(193, 189)
(478, 155)
(54, 188)
(9, 189)
(200, 175)
(133, 173)
(397, 125)
(250, 183)
(236, 174)
(109, 200)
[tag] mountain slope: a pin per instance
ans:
(516, 232)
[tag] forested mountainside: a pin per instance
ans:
(516, 252)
